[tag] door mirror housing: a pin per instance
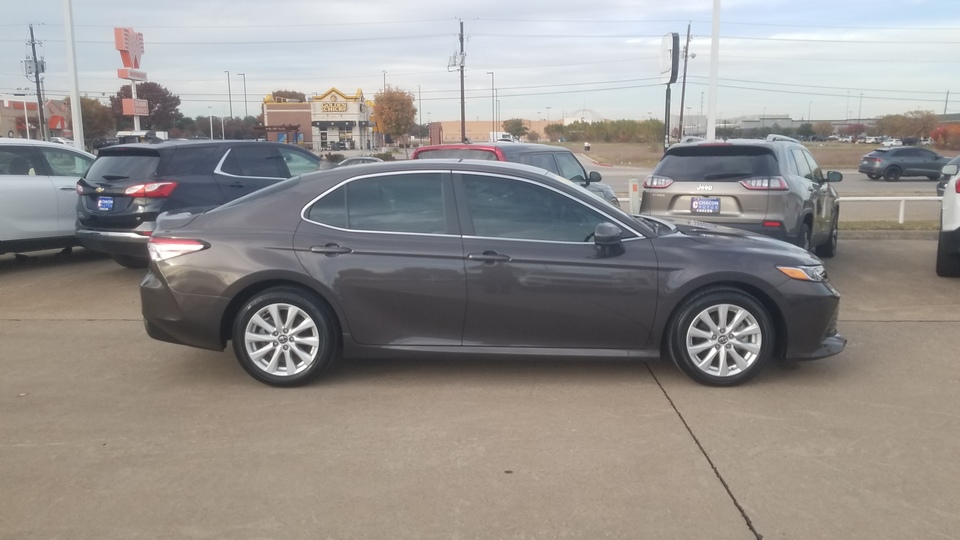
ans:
(594, 176)
(834, 176)
(607, 237)
(949, 170)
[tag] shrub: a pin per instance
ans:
(947, 137)
(386, 156)
(334, 158)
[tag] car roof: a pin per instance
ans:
(193, 142)
(505, 147)
(9, 141)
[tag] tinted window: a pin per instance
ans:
(253, 160)
(108, 168)
(544, 160)
(814, 167)
(394, 203)
(570, 168)
(300, 162)
(17, 162)
(464, 153)
(717, 163)
(505, 208)
(803, 166)
(186, 160)
(65, 162)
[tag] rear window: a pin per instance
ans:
(457, 153)
(717, 163)
(113, 168)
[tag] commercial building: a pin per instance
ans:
(332, 120)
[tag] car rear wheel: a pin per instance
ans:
(892, 174)
(284, 337)
(948, 264)
(129, 261)
(873, 176)
(721, 337)
(829, 248)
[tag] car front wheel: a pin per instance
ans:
(721, 337)
(948, 264)
(284, 337)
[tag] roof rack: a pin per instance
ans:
(773, 137)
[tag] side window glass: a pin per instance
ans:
(260, 161)
(65, 162)
(544, 160)
(17, 162)
(570, 168)
(186, 159)
(299, 163)
(395, 203)
(817, 173)
(506, 208)
(803, 168)
(230, 165)
(792, 164)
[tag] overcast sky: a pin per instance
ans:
(825, 59)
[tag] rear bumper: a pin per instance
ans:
(184, 319)
(870, 170)
(949, 242)
(114, 242)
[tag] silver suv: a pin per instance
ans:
(773, 187)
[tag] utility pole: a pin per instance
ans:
(246, 113)
(463, 106)
(419, 115)
(229, 94)
(36, 80)
(945, 102)
(683, 84)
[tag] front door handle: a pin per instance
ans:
(65, 188)
(235, 184)
(488, 256)
(331, 250)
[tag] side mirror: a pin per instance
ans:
(949, 170)
(594, 176)
(607, 239)
(834, 176)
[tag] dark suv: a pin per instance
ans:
(555, 159)
(894, 163)
(129, 185)
(772, 186)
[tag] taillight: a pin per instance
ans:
(773, 224)
(162, 249)
(657, 182)
(156, 190)
(774, 183)
(79, 188)
(957, 185)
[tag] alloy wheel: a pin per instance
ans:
(724, 340)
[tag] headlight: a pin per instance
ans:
(805, 273)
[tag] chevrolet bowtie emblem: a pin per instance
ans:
(99, 190)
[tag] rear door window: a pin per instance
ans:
(254, 161)
(187, 160)
(727, 163)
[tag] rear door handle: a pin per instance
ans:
(235, 184)
(331, 250)
(488, 256)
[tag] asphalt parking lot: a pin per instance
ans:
(105, 433)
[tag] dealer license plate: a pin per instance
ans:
(705, 205)
(105, 204)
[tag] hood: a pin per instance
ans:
(719, 235)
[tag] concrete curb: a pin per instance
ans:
(887, 235)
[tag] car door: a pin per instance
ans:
(808, 192)
(65, 167)
(823, 200)
(929, 163)
(534, 275)
(388, 246)
(28, 198)
(246, 168)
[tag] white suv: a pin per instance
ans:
(38, 194)
(948, 247)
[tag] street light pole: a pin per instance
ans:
(860, 111)
(210, 109)
(493, 108)
(419, 116)
(384, 81)
(245, 113)
(229, 94)
(548, 115)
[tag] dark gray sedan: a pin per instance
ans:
(893, 163)
(441, 257)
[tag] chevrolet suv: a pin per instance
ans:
(556, 159)
(129, 185)
(772, 186)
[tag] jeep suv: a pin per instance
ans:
(129, 185)
(772, 186)
(948, 246)
(555, 159)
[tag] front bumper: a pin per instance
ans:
(811, 311)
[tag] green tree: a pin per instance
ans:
(823, 129)
(554, 131)
(533, 136)
(806, 130)
(394, 112)
(515, 127)
(98, 120)
(163, 107)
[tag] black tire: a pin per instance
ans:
(130, 261)
(873, 176)
(305, 353)
(829, 248)
(803, 236)
(892, 173)
(948, 264)
(688, 339)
